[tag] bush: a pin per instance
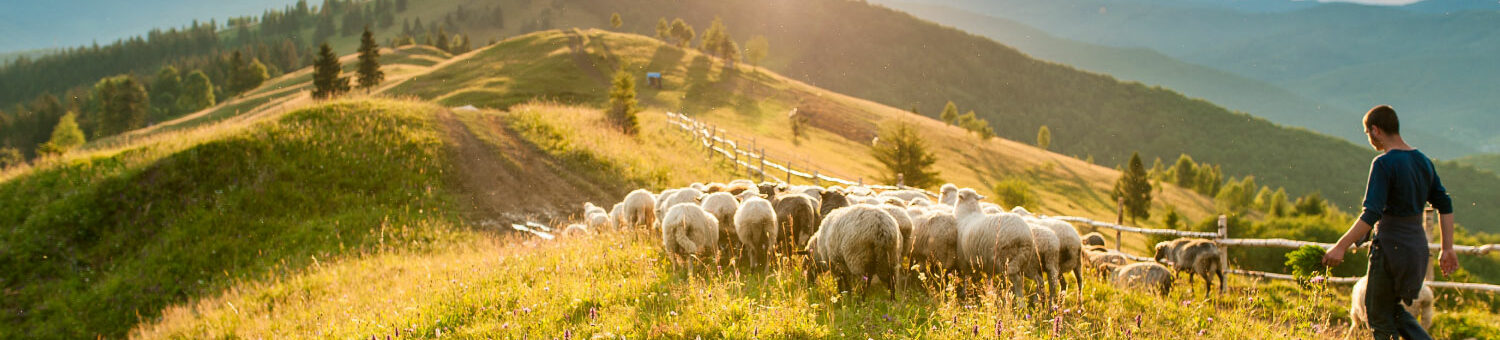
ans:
(1016, 192)
(1306, 262)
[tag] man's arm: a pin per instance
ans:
(1447, 260)
(1356, 232)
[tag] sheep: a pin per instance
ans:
(860, 241)
(715, 187)
(1104, 260)
(812, 191)
(1047, 250)
(697, 186)
(1069, 251)
(935, 242)
(575, 229)
(639, 208)
(919, 202)
(1194, 256)
(685, 195)
(796, 219)
(595, 216)
(904, 195)
(1018, 210)
(1093, 239)
(688, 231)
(723, 205)
(948, 194)
(617, 214)
(770, 190)
(1144, 275)
(892, 201)
(903, 223)
(755, 226)
(831, 199)
(994, 244)
(1421, 308)
(990, 208)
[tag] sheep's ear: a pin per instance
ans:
(980, 197)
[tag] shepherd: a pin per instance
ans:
(1401, 180)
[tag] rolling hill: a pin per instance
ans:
(1347, 55)
(372, 217)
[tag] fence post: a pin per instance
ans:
(789, 173)
(762, 165)
(1119, 220)
(1223, 249)
(900, 180)
(817, 181)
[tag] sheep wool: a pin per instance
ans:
(755, 226)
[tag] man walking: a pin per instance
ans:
(1402, 179)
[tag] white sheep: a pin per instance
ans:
(991, 208)
(755, 226)
(1046, 253)
(576, 229)
(935, 242)
(1069, 250)
(906, 195)
(1421, 308)
(903, 223)
(994, 244)
(723, 205)
(689, 231)
(1144, 275)
(919, 202)
(860, 243)
(638, 209)
(684, 195)
(948, 194)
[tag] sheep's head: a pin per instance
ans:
(1161, 251)
(969, 196)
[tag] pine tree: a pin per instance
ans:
(950, 113)
(663, 30)
(682, 32)
(442, 40)
(65, 136)
(615, 21)
(1044, 138)
(903, 152)
(369, 61)
(326, 80)
(714, 38)
(756, 49)
(164, 91)
(1135, 187)
(622, 102)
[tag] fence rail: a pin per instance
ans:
(755, 162)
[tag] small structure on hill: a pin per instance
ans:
(653, 79)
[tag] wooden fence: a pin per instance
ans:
(754, 162)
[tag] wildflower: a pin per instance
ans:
(976, 330)
(887, 317)
(593, 313)
(672, 313)
(1056, 325)
(1317, 279)
(567, 334)
(1201, 331)
(1137, 321)
(999, 328)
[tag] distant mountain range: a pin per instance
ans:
(1433, 60)
(30, 25)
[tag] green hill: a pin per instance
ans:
(1487, 162)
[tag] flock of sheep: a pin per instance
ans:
(861, 235)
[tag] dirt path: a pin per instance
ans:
(505, 180)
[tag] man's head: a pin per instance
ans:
(1381, 126)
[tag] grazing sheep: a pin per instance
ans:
(891, 201)
(1104, 260)
(697, 186)
(739, 188)
(935, 242)
(639, 209)
(687, 231)
(796, 220)
(919, 202)
(812, 191)
(595, 216)
(723, 205)
(1093, 239)
(994, 244)
(904, 195)
(948, 194)
(1069, 250)
(1018, 210)
(742, 181)
(903, 223)
(715, 187)
(1144, 275)
(1359, 321)
(770, 190)
(686, 195)
(831, 199)
(1194, 256)
(991, 208)
(1047, 253)
(617, 214)
(860, 242)
(755, 226)
(575, 229)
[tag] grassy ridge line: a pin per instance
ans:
(96, 245)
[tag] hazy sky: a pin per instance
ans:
(1379, 2)
(26, 24)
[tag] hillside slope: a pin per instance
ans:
(749, 104)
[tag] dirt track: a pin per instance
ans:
(506, 180)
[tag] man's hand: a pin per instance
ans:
(1334, 256)
(1447, 261)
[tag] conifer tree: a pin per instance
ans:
(65, 136)
(1044, 138)
(615, 21)
(663, 30)
(1135, 188)
(369, 61)
(903, 152)
(197, 92)
(326, 80)
(622, 102)
(950, 113)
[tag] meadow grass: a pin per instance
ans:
(97, 244)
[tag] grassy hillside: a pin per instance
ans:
(94, 245)
(568, 66)
(1486, 162)
(1232, 91)
(1089, 114)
